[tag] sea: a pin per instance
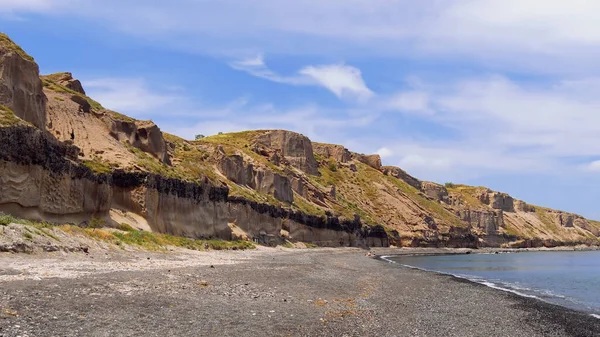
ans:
(569, 279)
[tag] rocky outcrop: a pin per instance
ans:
(434, 191)
(496, 200)
(373, 160)
(563, 219)
(398, 173)
(296, 148)
(66, 80)
(262, 180)
(523, 206)
(21, 88)
(339, 153)
(144, 135)
(489, 222)
(303, 187)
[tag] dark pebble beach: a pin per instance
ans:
(312, 292)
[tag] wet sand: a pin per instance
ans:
(268, 292)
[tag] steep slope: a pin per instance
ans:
(65, 158)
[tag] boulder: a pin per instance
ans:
(373, 160)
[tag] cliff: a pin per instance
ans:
(66, 159)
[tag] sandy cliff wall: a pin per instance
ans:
(21, 88)
(38, 182)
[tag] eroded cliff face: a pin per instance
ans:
(263, 180)
(296, 148)
(20, 86)
(144, 135)
(39, 182)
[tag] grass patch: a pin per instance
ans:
(51, 84)
(306, 206)
(466, 194)
(154, 241)
(8, 117)
(96, 223)
(430, 205)
(7, 43)
(120, 116)
(153, 165)
(125, 227)
(97, 166)
(240, 141)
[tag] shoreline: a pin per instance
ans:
(486, 283)
(407, 251)
(270, 291)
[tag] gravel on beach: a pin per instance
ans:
(267, 292)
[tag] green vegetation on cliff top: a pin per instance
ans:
(50, 83)
(7, 43)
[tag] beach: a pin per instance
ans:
(263, 292)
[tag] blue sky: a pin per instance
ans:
(489, 92)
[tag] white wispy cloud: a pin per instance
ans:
(12, 6)
(384, 152)
(342, 80)
(593, 166)
(409, 101)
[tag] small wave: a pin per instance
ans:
(495, 286)
(472, 279)
(595, 316)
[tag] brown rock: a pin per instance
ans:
(66, 80)
(337, 152)
(275, 159)
(21, 88)
(398, 173)
(144, 135)
(296, 148)
(332, 192)
(523, 206)
(373, 160)
(262, 180)
(435, 191)
(496, 200)
(84, 105)
(489, 222)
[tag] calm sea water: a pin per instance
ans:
(570, 279)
